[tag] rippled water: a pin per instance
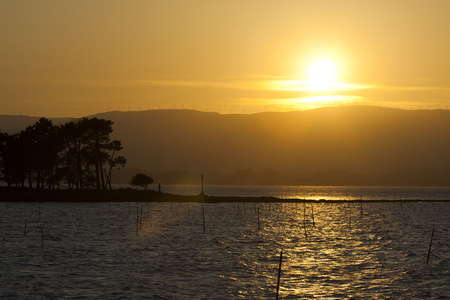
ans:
(104, 250)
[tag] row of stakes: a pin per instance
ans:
(139, 219)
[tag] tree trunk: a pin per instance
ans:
(79, 172)
(102, 177)
(30, 180)
(97, 175)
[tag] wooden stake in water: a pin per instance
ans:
(279, 274)
(304, 227)
(304, 220)
(258, 218)
(312, 213)
(137, 225)
(42, 239)
(304, 213)
(429, 248)
(142, 207)
(137, 218)
(203, 216)
(360, 204)
(350, 218)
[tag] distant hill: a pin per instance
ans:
(357, 145)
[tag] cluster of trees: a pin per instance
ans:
(141, 180)
(79, 154)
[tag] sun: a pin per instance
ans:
(322, 74)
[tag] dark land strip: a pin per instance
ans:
(130, 195)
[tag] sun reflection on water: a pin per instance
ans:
(341, 252)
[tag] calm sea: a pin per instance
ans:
(162, 250)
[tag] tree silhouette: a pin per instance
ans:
(141, 180)
(79, 152)
(89, 150)
(97, 141)
(13, 159)
(113, 161)
(43, 158)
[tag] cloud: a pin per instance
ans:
(241, 82)
(411, 88)
(255, 82)
(252, 90)
(237, 85)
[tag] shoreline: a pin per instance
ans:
(130, 195)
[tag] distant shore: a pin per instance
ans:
(132, 195)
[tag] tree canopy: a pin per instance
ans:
(141, 180)
(79, 153)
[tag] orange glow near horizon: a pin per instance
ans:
(318, 85)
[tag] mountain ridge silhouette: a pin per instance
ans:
(348, 145)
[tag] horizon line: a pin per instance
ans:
(230, 111)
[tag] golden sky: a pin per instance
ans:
(75, 58)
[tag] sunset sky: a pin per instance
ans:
(75, 58)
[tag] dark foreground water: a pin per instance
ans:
(159, 250)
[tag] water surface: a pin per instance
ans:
(159, 250)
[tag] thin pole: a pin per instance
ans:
(140, 222)
(279, 274)
(258, 218)
(137, 218)
(304, 227)
(350, 218)
(429, 249)
(203, 216)
(304, 213)
(360, 204)
(304, 220)
(137, 224)
(202, 193)
(42, 238)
